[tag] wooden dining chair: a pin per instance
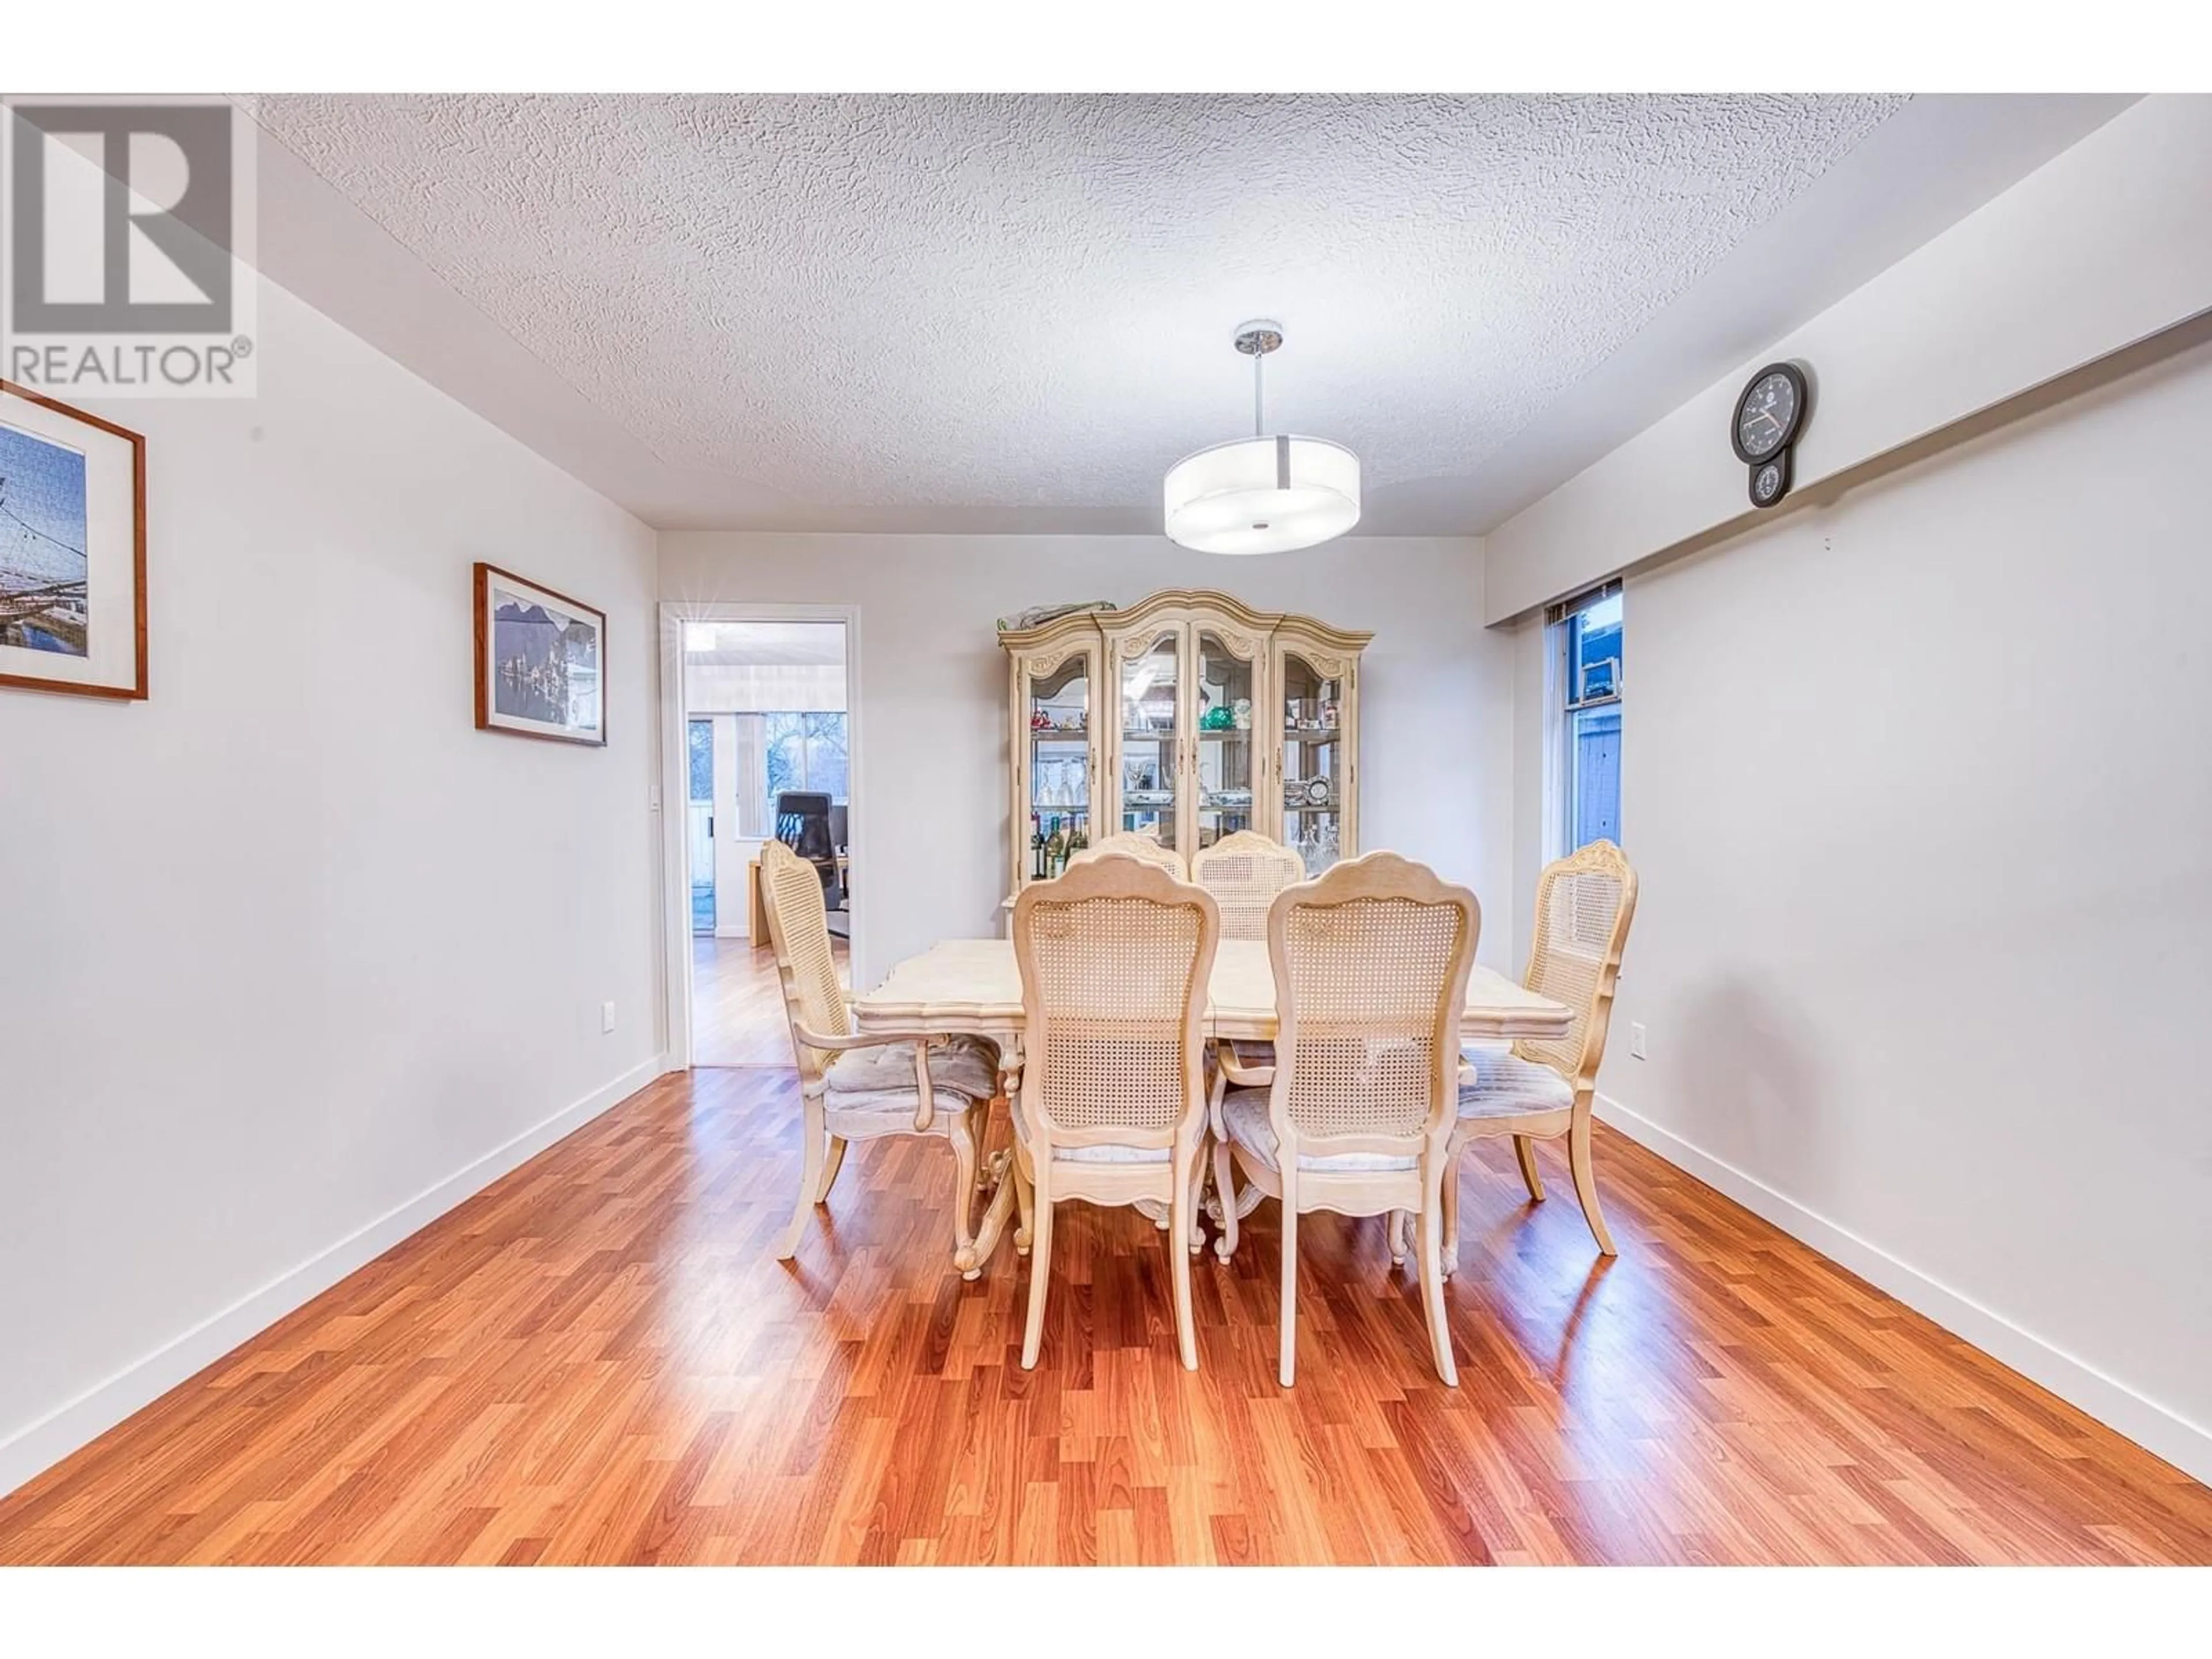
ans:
(1542, 1089)
(1244, 872)
(1371, 963)
(1135, 844)
(861, 1088)
(1114, 958)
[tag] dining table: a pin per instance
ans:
(974, 986)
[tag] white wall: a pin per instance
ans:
(1436, 752)
(295, 958)
(2107, 244)
(1917, 784)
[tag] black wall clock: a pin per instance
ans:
(1768, 418)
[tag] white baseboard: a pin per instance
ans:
(99, 1408)
(2165, 1433)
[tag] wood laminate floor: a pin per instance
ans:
(737, 1005)
(597, 1360)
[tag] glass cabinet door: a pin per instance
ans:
(1228, 753)
(1059, 754)
(1151, 730)
(1314, 773)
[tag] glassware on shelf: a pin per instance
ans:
(1063, 782)
(1152, 723)
(1318, 845)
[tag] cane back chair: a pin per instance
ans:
(1131, 844)
(1244, 872)
(855, 1087)
(1371, 963)
(1541, 1089)
(1114, 958)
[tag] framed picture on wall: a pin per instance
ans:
(72, 550)
(541, 661)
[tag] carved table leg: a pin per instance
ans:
(1155, 1211)
(970, 1261)
(1247, 1201)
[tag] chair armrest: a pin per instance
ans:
(829, 1044)
(924, 1111)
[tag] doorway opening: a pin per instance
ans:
(768, 756)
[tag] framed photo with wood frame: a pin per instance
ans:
(72, 550)
(541, 661)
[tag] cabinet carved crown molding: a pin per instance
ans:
(1188, 717)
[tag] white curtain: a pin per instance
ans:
(751, 779)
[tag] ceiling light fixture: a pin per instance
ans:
(1262, 494)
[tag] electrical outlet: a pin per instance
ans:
(606, 1017)
(1636, 1047)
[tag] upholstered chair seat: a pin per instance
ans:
(1498, 1083)
(1104, 1154)
(880, 1080)
(1244, 1118)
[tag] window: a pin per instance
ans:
(1588, 631)
(702, 733)
(805, 753)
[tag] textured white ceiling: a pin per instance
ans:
(1013, 311)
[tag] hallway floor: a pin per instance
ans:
(737, 1007)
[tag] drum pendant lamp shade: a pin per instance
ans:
(1265, 494)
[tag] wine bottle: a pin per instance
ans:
(1037, 846)
(1055, 851)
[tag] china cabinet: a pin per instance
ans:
(1187, 716)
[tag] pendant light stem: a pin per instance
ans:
(1259, 422)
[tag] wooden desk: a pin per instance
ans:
(756, 906)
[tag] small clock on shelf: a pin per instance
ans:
(1769, 417)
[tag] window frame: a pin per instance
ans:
(1567, 697)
